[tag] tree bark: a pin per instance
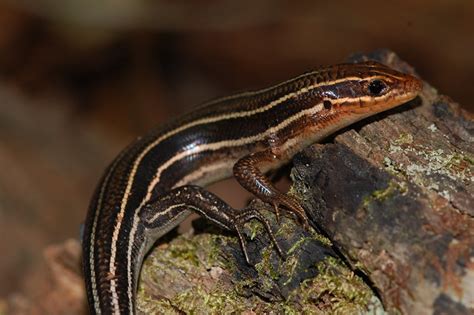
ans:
(395, 196)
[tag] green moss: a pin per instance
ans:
(346, 291)
(468, 159)
(296, 245)
(216, 242)
(199, 301)
(335, 290)
(184, 251)
(255, 227)
(240, 286)
(384, 194)
(289, 267)
(404, 138)
(266, 271)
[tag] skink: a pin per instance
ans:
(157, 180)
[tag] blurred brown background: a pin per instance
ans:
(80, 79)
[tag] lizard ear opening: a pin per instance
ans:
(327, 104)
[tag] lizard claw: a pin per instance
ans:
(293, 206)
(246, 216)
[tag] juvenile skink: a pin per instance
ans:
(156, 181)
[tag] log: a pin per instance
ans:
(395, 196)
(205, 272)
(392, 198)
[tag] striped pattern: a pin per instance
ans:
(285, 118)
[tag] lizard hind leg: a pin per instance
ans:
(159, 213)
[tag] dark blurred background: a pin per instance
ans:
(80, 79)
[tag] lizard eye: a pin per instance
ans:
(376, 87)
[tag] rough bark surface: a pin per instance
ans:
(395, 196)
